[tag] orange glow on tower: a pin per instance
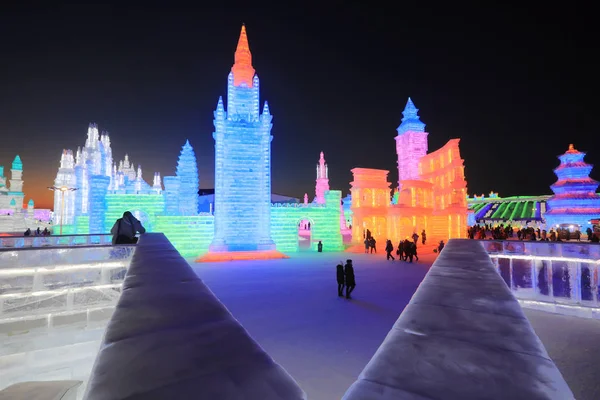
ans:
(242, 69)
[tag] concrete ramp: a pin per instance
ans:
(171, 338)
(462, 336)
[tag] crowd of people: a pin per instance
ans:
(37, 232)
(508, 232)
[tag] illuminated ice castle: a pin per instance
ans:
(95, 191)
(244, 218)
(431, 193)
(93, 175)
(14, 217)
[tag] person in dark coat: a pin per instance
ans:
(320, 247)
(340, 279)
(440, 246)
(400, 251)
(389, 247)
(409, 249)
(125, 229)
(349, 275)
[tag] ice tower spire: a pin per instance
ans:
(410, 119)
(411, 143)
(322, 184)
(242, 69)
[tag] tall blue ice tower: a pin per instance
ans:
(242, 162)
(187, 172)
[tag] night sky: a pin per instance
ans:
(511, 83)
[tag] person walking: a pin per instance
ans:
(340, 279)
(389, 247)
(350, 280)
(423, 237)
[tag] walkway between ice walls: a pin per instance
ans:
(462, 336)
(191, 235)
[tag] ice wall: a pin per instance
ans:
(54, 306)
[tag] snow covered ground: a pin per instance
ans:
(291, 308)
(574, 344)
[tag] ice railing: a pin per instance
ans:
(55, 303)
(297, 205)
(55, 240)
(47, 280)
(557, 276)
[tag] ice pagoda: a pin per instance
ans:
(575, 201)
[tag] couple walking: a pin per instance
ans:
(345, 277)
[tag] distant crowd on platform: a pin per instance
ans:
(37, 232)
(507, 232)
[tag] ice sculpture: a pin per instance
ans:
(187, 171)
(242, 220)
(411, 143)
(322, 183)
(14, 189)
(242, 161)
(431, 194)
(14, 217)
(516, 210)
(575, 201)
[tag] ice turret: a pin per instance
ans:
(66, 159)
(78, 156)
(93, 136)
(16, 176)
(266, 116)
(220, 111)
(187, 172)
(322, 182)
(17, 164)
(156, 183)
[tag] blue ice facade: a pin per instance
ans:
(242, 171)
